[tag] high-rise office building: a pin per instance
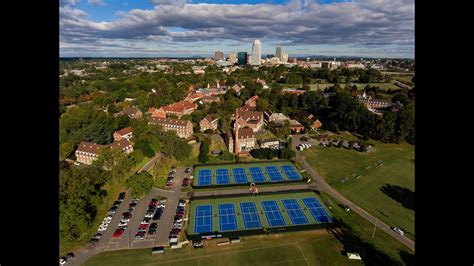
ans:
(284, 58)
(256, 53)
(242, 58)
(218, 55)
(232, 57)
(278, 53)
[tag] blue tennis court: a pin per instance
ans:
(273, 173)
(239, 175)
(227, 220)
(273, 213)
(205, 177)
(316, 210)
(222, 177)
(294, 211)
(290, 172)
(250, 215)
(203, 220)
(257, 174)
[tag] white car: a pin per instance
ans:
(123, 224)
(145, 222)
(182, 204)
(62, 261)
(161, 205)
(125, 220)
(102, 228)
(399, 231)
(179, 220)
(162, 201)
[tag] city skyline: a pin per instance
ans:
(165, 28)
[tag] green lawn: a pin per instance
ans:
(229, 168)
(257, 200)
(360, 177)
(304, 248)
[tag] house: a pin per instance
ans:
(245, 141)
(124, 133)
(251, 119)
(183, 128)
(192, 97)
(252, 102)
(180, 108)
(269, 143)
(87, 152)
(132, 112)
(157, 112)
(237, 89)
(210, 99)
(209, 122)
(293, 91)
(275, 117)
(296, 126)
(123, 144)
(303, 114)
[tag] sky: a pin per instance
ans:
(184, 28)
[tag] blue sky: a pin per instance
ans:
(366, 28)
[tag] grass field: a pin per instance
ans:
(382, 182)
(303, 248)
(257, 200)
(229, 168)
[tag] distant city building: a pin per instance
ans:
(292, 60)
(284, 58)
(232, 57)
(278, 53)
(242, 58)
(222, 63)
(218, 55)
(256, 53)
(354, 65)
(274, 60)
(270, 56)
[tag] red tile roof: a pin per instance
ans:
(124, 131)
(89, 147)
(120, 144)
(169, 121)
(180, 107)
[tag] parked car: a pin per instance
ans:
(178, 220)
(198, 244)
(102, 228)
(398, 230)
(162, 201)
(121, 196)
(145, 221)
(70, 256)
(127, 215)
(157, 216)
(140, 235)
(182, 204)
(118, 232)
(157, 250)
(62, 260)
(97, 236)
(123, 224)
(187, 170)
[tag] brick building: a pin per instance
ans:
(209, 122)
(180, 108)
(124, 133)
(183, 128)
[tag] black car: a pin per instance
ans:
(121, 196)
(187, 170)
(94, 241)
(153, 225)
(173, 235)
(133, 204)
(198, 244)
(69, 256)
(113, 208)
(117, 202)
(157, 216)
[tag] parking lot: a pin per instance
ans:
(127, 239)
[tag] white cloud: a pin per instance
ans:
(360, 22)
(96, 2)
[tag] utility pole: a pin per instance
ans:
(375, 226)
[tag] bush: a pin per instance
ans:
(145, 148)
(226, 156)
(265, 153)
(363, 147)
(286, 153)
(339, 145)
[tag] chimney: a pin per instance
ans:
(236, 130)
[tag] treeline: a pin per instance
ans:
(267, 153)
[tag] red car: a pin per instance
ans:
(143, 226)
(118, 233)
(180, 213)
(153, 203)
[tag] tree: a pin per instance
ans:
(262, 104)
(140, 184)
(286, 153)
(204, 150)
(363, 147)
(65, 149)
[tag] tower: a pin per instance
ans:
(236, 131)
(278, 53)
(256, 53)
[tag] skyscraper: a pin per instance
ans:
(278, 53)
(256, 53)
(284, 58)
(232, 57)
(242, 58)
(218, 55)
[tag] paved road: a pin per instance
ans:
(323, 186)
(152, 162)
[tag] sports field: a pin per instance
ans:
(256, 212)
(381, 182)
(234, 174)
